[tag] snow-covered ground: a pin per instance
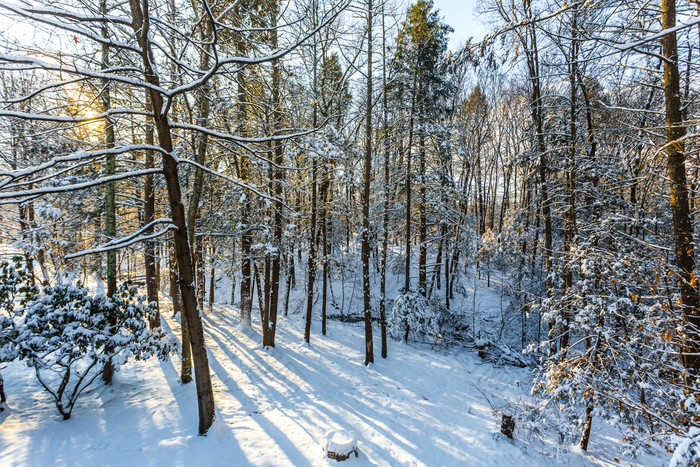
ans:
(418, 407)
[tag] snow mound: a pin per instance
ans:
(339, 444)
(688, 451)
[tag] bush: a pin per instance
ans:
(413, 313)
(67, 336)
(14, 290)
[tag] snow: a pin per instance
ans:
(688, 450)
(420, 406)
(339, 443)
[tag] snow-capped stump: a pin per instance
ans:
(339, 444)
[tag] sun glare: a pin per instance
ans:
(94, 127)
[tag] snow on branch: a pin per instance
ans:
(76, 186)
(48, 18)
(129, 240)
(72, 69)
(75, 157)
(658, 35)
(330, 16)
(232, 180)
(528, 21)
(36, 92)
(78, 17)
(241, 141)
(70, 119)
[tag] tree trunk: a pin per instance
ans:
(422, 227)
(385, 222)
(570, 215)
(366, 292)
(586, 435)
(312, 251)
(205, 394)
(537, 111)
(246, 232)
(325, 182)
(199, 267)
(110, 201)
(149, 255)
(212, 281)
(175, 296)
(682, 221)
(192, 215)
(407, 281)
(290, 275)
(3, 399)
(312, 228)
(259, 287)
(233, 267)
(270, 326)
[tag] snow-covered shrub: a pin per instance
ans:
(412, 312)
(619, 360)
(14, 283)
(67, 336)
(687, 454)
(15, 289)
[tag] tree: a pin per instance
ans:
(366, 292)
(110, 200)
(420, 45)
(205, 395)
(682, 222)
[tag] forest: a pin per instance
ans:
(273, 232)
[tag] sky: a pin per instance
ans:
(461, 16)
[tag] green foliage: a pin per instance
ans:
(15, 289)
(412, 313)
(67, 335)
(420, 46)
(422, 38)
(14, 284)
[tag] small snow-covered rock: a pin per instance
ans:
(339, 444)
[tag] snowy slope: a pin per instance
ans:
(418, 407)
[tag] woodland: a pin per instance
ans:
(304, 170)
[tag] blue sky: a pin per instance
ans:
(461, 16)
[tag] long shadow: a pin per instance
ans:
(303, 366)
(170, 372)
(389, 433)
(285, 444)
(271, 393)
(250, 354)
(356, 406)
(82, 439)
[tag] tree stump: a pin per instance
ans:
(339, 444)
(2, 394)
(507, 425)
